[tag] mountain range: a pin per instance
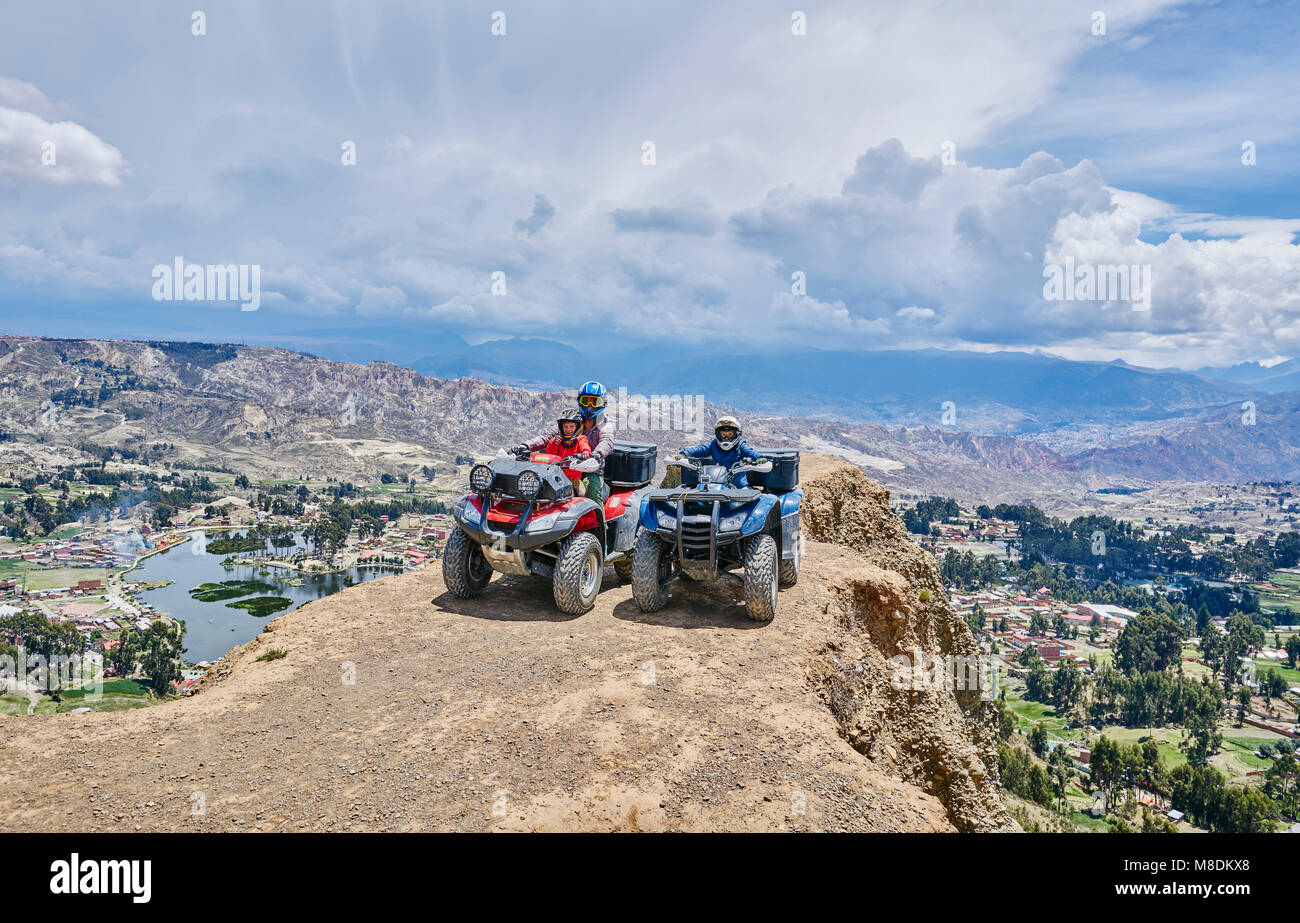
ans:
(274, 412)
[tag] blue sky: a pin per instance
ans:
(776, 154)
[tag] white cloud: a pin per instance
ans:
(32, 148)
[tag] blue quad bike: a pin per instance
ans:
(710, 529)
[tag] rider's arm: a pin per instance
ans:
(603, 446)
(748, 453)
(538, 443)
(702, 450)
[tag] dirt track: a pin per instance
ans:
(495, 714)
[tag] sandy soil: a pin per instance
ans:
(499, 713)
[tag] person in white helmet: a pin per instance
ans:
(726, 448)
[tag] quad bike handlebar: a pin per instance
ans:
(762, 466)
(524, 454)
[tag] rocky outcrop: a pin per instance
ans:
(902, 672)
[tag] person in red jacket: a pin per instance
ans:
(568, 442)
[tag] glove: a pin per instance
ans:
(519, 450)
(583, 456)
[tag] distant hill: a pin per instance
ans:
(1005, 392)
(272, 412)
(1285, 376)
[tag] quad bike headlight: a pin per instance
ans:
(480, 478)
(528, 485)
(733, 522)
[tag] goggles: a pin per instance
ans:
(590, 401)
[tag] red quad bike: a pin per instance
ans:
(521, 516)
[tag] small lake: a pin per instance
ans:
(213, 628)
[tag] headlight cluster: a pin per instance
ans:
(480, 478)
(733, 522)
(667, 519)
(542, 523)
(528, 485)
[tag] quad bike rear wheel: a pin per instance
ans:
(761, 557)
(652, 570)
(577, 573)
(464, 569)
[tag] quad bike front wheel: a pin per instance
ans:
(464, 569)
(652, 570)
(761, 557)
(577, 573)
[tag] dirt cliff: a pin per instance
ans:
(901, 671)
(398, 707)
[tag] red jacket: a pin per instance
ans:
(600, 441)
(555, 446)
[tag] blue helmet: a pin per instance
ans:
(591, 400)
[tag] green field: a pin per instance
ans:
(1280, 601)
(1263, 666)
(117, 695)
(45, 578)
(1030, 713)
(11, 704)
(1242, 749)
(1167, 741)
(110, 687)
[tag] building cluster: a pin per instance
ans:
(1017, 610)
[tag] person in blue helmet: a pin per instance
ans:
(591, 404)
(726, 448)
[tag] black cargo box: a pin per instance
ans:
(784, 474)
(631, 464)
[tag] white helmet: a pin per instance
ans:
(727, 423)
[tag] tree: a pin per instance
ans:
(1060, 769)
(1286, 550)
(1038, 684)
(1213, 644)
(1293, 650)
(160, 648)
(1068, 686)
(1249, 810)
(1280, 783)
(1006, 718)
(1244, 636)
(1243, 703)
(123, 655)
(1106, 762)
(1201, 736)
(1038, 740)
(1149, 643)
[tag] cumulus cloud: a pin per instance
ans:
(895, 246)
(33, 148)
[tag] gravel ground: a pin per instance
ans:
(399, 707)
